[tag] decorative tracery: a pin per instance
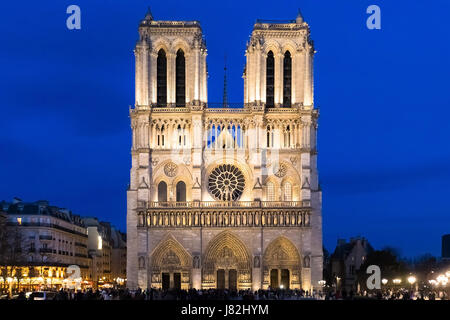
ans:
(226, 182)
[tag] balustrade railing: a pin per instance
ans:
(224, 218)
(225, 204)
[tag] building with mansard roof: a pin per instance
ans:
(220, 196)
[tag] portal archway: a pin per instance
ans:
(170, 266)
(282, 265)
(227, 263)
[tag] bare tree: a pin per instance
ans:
(12, 255)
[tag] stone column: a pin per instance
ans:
(308, 92)
(278, 79)
(204, 78)
(152, 78)
(171, 78)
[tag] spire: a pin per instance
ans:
(225, 93)
(299, 18)
(148, 15)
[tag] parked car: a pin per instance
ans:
(43, 295)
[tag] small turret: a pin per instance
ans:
(148, 17)
(299, 19)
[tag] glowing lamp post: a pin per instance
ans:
(411, 280)
(442, 279)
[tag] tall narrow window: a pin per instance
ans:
(180, 136)
(287, 137)
(180, 86)
(162, 136)
(181, 191)
(270, 80)
(270, 191)
(161, 78)
(287, 79)
(287, 191)
(162, 192)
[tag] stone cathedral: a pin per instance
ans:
(224, 196)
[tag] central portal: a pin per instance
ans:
(227, 279)
(226, 264)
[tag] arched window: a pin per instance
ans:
(287, 137)
(287, 79)
(287, 191)
(180, 136)
(268, 136)
(270, 191)
(162, 192)
(161, 137)
(270, 80)
(181, 191)
(180, 87)
(161, 78)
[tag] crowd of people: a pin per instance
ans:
(158, 294)
(213, 294)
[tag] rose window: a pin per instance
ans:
(226, 182)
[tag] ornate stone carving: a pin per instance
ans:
(280, 170)
(293, 159)
(170, 169)
(170, 259)
(306, 262)
(226, 258)
(196, 262)
(256, 262)
(141, 262)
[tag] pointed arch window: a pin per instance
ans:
(181, 191)
(287, 191)
(160, 136)
(287, 137)
(270, 191)
(180, 86)
(287, 79)
(180, 135)
(162, 192)
(161, 78)
(270, 80)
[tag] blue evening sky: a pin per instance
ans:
(384, 156)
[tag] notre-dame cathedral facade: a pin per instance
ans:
(223, 196)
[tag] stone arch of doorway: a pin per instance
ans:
(226, 263)
(282, 265)
(170, 266)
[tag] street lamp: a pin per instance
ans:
(442, 279)
(411, 280)
(384, 281)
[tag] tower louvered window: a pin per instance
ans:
(180, 79)
(161, 78)
(287, 79)
(270, 80)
